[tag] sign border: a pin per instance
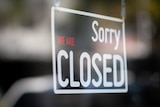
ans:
(81, 91)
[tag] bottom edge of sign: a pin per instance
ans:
(72, 91)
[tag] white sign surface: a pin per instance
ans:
(89, 53)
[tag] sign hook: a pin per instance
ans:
(56, 2)
(123, 10)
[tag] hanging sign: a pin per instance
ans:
(89, 53)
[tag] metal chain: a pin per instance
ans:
(123, 9)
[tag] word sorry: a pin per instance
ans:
(105, 35)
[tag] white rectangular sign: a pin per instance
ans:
(89, 53)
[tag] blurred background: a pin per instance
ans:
(26, 54)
